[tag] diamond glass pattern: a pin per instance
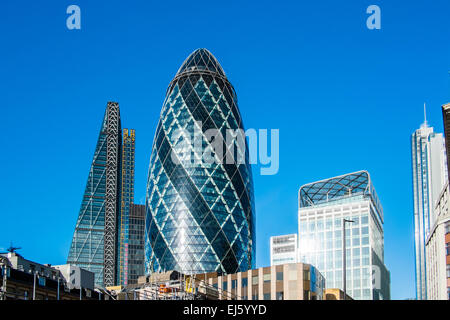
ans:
(200, 217)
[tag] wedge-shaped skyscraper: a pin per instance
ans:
(94, 243)
(200, 215)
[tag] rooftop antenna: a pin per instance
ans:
(12, 249)
(425, 114)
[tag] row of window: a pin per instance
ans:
(255, 279)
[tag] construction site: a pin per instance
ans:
(170, 285)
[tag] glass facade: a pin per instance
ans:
(200, 216)
(136, 256)
(94, 241)
(323, 206)
(127, 199)
(429, 171)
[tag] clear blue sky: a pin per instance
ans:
(345, 98)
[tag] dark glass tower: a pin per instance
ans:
(127, 198)
(199, 216)
(94, 241)
(136, 243)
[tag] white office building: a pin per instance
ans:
(438, 251)
(322, 207)
(429, 169)
(283, 249)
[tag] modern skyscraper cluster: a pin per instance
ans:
(101, 239)
(198, 217)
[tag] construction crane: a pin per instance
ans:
(12, 249)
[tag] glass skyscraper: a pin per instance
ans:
(322, 207)
(127, 198)
(429, 171)
(199, 216)
(94, 241)
(136, 255)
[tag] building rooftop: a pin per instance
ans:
(339, 189)
(201, 60)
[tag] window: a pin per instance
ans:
(305, 275)
(233, 284)
(255, 280)
(305, 295)
(266, 278)
(266, 296)
(225, 285)
(279, 295)
(244, 282)
(255, 296)
(279, 276)
(364, 220)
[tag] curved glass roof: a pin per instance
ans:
(338, 188)
(200, 60)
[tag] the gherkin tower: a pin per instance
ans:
(200, 216)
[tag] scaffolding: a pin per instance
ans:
(173, 286)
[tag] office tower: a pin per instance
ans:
(127, 198)
(94, 241)
(283, 249)
(446, 117)
(438, 250)
(429, 175)
(136, 256)
(323, 205)
(199, 215)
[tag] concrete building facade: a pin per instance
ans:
(293, 281)
(438, 251)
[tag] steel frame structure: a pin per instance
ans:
(112, 200)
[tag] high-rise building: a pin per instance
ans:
(136, 255)
(283, 249)
(199, 215)
(94, 245)
(438, 250)
(446, 117)
(127, 198)
(429, 170)
(323, 205)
